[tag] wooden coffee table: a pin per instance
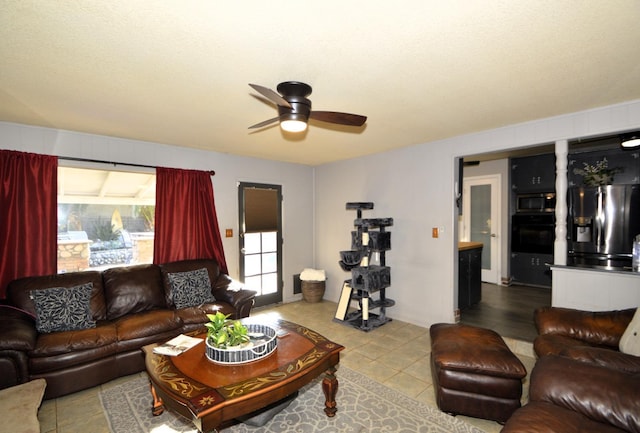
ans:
(213, 395)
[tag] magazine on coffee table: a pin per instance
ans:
(177, 345)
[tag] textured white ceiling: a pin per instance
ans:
(177, 71)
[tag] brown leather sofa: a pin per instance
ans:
(570, 396)
(131, 306)
(585, 336)
(581, 381)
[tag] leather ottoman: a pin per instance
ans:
(474, 372)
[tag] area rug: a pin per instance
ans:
(364, 406)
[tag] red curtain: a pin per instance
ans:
(28, 215)
(186, 225)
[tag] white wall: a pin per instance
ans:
(415, 186)
(296, 181)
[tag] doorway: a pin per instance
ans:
(260, 237)
(481, 221)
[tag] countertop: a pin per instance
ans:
(625, 271)
(462, 246)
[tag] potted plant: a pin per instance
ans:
(599, 174)
(224, 333)
(232, 342)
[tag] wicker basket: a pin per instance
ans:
(312, 291)
(243, 355)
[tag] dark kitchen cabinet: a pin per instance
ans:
(469, 274)
(626, 162)
(533, 173)
(531, 269)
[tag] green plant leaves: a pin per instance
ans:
(223, 332)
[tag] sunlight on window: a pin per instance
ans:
(261, 262)
(252, 264)
(269, 283)
(269, 262)
(252, 243)
(269, 241)
(105, 218)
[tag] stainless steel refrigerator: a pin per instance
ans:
(602, 224)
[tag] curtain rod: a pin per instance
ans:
(100, 161)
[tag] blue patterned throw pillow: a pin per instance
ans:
(191, 288)
(63, 308)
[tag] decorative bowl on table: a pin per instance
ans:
(262, 342)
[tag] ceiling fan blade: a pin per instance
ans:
(271, 95)
(339, 118)
(265, 123)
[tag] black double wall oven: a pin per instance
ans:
(533, 224)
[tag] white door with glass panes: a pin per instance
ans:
(261, 241)
(481, 216)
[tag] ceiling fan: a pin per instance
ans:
(294, 109)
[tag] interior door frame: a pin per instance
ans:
(492, 275)
(271, 298)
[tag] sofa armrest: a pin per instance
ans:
(17, 337)
(242, 300)
(17, 330)
(220, 287)
(14, 368)
(602, 328)
(601, 394)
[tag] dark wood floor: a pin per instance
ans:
(508, 310)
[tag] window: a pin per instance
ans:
(105, 218)
(261, 262)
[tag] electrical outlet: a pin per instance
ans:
(434, 232)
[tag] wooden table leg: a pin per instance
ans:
(158, 404)
(330, 388)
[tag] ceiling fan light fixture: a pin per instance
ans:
(294, 109)
(293, 125)
(630, 140)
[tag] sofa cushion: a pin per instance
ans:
(137, 330)
(58, 343)
(63, 309)
(599, 328)
(19, 291)
(189, 265)
(630, 340)
(133, 289)
(554, 344)
(58, 351)
(191, 288)
(604, 357)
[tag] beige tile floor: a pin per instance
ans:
(396, 354)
